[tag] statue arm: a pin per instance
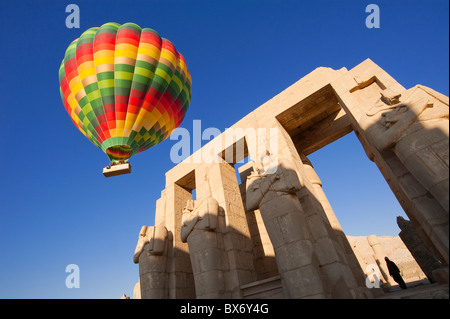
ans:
(136, 256)
(187, 228)
(392, 135)
(157, 243)
(395, 130)
(139, 248)
(211, 214)
(253, 195)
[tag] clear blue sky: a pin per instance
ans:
(56, 208)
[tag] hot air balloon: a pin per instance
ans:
(125, 88)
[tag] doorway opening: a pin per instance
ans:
(357, 191)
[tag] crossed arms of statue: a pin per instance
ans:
(203, 215)
(152, 240)
(387, 123)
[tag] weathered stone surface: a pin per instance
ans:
(150, 254)
(207, 255)
(423, 256)
(274, 195)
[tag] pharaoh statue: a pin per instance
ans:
(150, 254)
(273, 192)
(198, 229)
(414, 125)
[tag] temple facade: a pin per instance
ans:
(274, 234)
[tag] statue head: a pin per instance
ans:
(267, 162)
(189, 205)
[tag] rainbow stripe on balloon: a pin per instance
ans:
(125, 88)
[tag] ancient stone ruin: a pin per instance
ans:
(275, 234)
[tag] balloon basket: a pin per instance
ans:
(119, 169)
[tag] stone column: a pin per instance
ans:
(350, 257)
(283, 216)
(169, 209)
(137, 291)
(218, 180)
(151, 255)
(338, 276)
(379, 255)
(264, 255)
(423, 256)
(206, 251)
(406, 133)
(413, 126)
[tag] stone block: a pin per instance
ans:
(441, 191)
(325, 251)
(411, 186)
(154, 280)
(432, 212)
(433, 164)
(149, 263)
(234, 240)
(210, 259)
(303, 282)
(210, 285)
(316, 227)
(292, 227)
(240, 260)
(269, 288)
(198, 237)
(294, 255)
(441, 275)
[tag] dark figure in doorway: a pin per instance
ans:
(394, 272)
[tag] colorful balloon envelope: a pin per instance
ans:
(125, 88)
